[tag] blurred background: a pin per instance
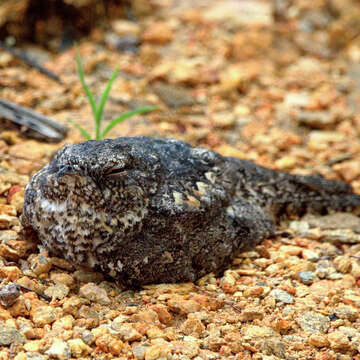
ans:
(276, 82)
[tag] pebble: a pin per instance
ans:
(245, 12)
(7, 222)
(306, 277)
(254, 331)
(282, 296)
(10, 336)
(158, 32)
(139, 350)
(59, 350)
(180, 305)
(189, 347)
(78, 348)
(162, 311)
(109, 344)
(11, 273)
(342, 236)
(313, 322)
(310, 255)
(94, 293)
(318, 340)
(9, 294)
(10, 247)
(347, 312)
(316, 119)
(250, 314)
(126, 331)
(43, 315)
(125, 27)
(334, 221)
(40, 264)
(192, 326)
(58, 291)
(339, 341)
(174, 96)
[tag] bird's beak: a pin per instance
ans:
(65, 170)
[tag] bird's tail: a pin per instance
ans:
(313, 194)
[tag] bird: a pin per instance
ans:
(143, 210)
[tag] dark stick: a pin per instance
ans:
(30, 62)
(43, 296)
(33, 120)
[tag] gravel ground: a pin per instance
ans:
(274, 82)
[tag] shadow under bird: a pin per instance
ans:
(145, 210)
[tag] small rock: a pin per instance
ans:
(318, 340)
(40, 264)
(240, 13)
(314, 323)
(59, 350)
(251, 314)
(343, 263)
(9, 294)
(164, 316)
(157, 351)
(315, 119)
(254, 331)
(78, 348)
(158, 32)
(34, 345)
(276, 347)
(282, 296)
(10, 247)
(347, 312)
(334, 221)
(62, 278)
(149, 317)
(310, 255)
(291, 249)
(306, 277)
(10, 336)
(174, 96)
(154, 332)
(109, 344)
(11, 273)
(125, 27)
(180, 305)
(139, 350)
(339, 341)
(7, 221)
(342, 236)
(299, 227)
(43, 315)
(126, 331)
(192, 326)
(237, 76)
(72, 305)
(188, 347)
(95, 293)
(58, 291)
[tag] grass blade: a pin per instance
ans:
(124, 116)
(84, 133)
(83, 83)
(102, 103)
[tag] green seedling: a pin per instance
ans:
(98, 108)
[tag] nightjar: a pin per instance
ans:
(145, 210)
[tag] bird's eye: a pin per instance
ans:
(116, 171)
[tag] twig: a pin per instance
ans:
(41, 124)
(43, 296)
(22, 56)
